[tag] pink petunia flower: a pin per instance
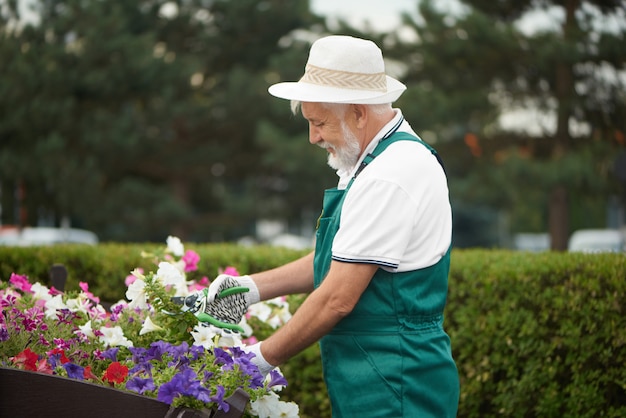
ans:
(200, 284)
(130, 279)
(20, 282)
(231, 271)
(191, 259)
(85, 288)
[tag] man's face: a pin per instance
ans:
(328, 128)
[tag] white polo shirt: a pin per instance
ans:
(397, 212)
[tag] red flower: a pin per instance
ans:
(44, 367)
(88, 374)
(26, 360)
(59, 353)
(115, 373)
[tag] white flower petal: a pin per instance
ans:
(149, 326)
(204, 335)
(114, 336)
(136, 293)
(175, 246)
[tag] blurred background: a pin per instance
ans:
(132, 120)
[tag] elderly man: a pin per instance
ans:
(378, 277)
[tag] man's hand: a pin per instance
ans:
(259, 360)
(229, 297)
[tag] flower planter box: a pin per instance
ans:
(25, 394)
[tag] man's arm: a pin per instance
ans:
(291, 278)
(321, 311)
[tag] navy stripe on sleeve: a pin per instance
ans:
(365, 261)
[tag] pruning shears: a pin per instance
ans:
(215, 313)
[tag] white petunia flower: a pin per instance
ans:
(229, 339)
(149, 326)
(204, 335)
(169, 275)
(136, 294)
(287, 410)
(114, 336)
(270, 406)
(87, 330)
(280, 317)
(79, 304)
(55, 303)
(279, 301)
(263, 407)
(247, 329)
(40, 292)
(175, 246)
(260, 310)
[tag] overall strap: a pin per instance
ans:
(385, 142)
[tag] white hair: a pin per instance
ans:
(340, 108)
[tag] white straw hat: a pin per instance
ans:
(342, 69)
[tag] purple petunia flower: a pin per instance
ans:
(157, 350)
(185, 383)
(178, 386)
(244, 361)
(74, 371)
(207, 377)
(197, 351)
(219, 399)
(168, 391)
(222, 357)
(111, 353)
(140, 385)
(4, 334)
(179, 352)
(140, 354)
(277, 379)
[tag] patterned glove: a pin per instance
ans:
(259, 360)
(229, 297)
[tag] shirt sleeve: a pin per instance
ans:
(376, 224)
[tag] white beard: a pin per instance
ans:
(347, 156)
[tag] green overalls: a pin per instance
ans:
(390, 357)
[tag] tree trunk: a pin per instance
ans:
(559, 219)
(564, 88)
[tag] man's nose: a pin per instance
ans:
(314, 135)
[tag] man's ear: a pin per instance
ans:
(360, 115)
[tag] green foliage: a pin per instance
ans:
(105, 266)
(539, 334)
(533, 334)
(466, 70)
(117, 108)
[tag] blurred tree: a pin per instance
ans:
(466, 71)
(137, 118)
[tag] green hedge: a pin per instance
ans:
(539, 335)
(534, 335)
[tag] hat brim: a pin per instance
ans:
(307, 92)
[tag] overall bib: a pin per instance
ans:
(390, 357)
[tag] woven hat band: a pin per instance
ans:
(344, 79)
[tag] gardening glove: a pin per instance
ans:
(229, 297)
(258, 359)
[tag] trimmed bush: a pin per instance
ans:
(533, 334)
(539, 335)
